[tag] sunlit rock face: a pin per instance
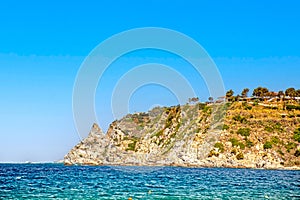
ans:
(199, 135)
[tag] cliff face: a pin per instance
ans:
(223, 135)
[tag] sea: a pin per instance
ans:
(56, 181)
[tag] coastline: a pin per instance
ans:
(256, 138)
(293, 168)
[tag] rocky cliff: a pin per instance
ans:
(239, 134)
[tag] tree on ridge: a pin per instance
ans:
(260, 92)
(291, 92)
(229, 94)
(245, 92)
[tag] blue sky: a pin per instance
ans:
(43, 43)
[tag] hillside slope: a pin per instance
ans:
(238, 134)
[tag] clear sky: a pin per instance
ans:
(43, 43)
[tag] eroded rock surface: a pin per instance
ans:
(192, 135)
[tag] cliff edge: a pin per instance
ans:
(234, 134)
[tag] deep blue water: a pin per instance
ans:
(47, 181)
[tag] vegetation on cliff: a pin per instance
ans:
(262, 131)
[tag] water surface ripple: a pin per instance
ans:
(48, 181)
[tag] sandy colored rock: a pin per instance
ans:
(187, 136)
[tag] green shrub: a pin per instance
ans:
(234, 151)
(278, 127)
(213, 153)
(222, 127)
(240, 156)
(297, 153)
(268, 145)
(292, 107)
(269, 129)
(201, 106)
(131, 146)
(159, 133)
(234, 142)
(290, 146)
(246, 106)
(244, 132)
(297, 135)
(240, 119)
(220, 146)
(241, 145)
(225, 127)
(280, 152)
(275, 140)
(207, 109)
(275, 127)
(249, 143)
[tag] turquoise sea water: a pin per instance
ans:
(48, 181)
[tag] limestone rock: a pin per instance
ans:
(183, 136)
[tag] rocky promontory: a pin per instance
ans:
(241, 134)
